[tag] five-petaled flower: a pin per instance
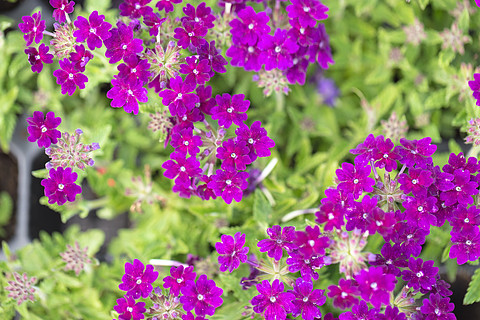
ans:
(203, 296)
(137, 280)
(231, 251)
(60, 186)
(43, 130)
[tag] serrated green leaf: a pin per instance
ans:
(464, 20)
(473, 291)
(262, 210)
(445, 58)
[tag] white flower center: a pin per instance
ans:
(230, 110)
(414, 181)
(197, 105)
(250, 140)
(419, 274)
(137, 6)
(44, 129)
(70, 76)
(443, 205)
(228, 182)
(200, 297)
(129, 309)
(182, 168)
(179, 280)
(195, 71)
(124, 47)
(374, 286)
(278, 49)
(190, 34)
(273, 299)
(306, 9)
(139, 281)
(364, 216)
(466, 220)
(344, 295)
(61, 186)
(130, 92)
(196, 19)
(134, 70)
(92, 30)
(34, 29)
(179, 96)
(389, 261)
(468, 242)
(250, 26)
(331, 216)
(302, 30)
(420, 208)
(410, 236)
(413, 152)
(37, 57)
(458, 189)
(378, 223)
(186, 143)
(355, 181)
(62, 7)
(251, 49)
(437, 311)
(385, 156)
(305, 299)
(184, 118)
(233, 155)
(311, 243)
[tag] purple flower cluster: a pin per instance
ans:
(66, 152)
(288, 50)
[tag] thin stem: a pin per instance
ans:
(67, 17)
(48, 33)
(280, 99)
(297, 213)
(166, 263)
(266, 171)
(473, 152)
(97, 203)
(268, 195)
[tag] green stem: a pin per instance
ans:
(473, 151)
(97, 203)
(280, 99)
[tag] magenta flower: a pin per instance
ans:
(272, 301)
(416, 181)
(94, 30)
(306, 264)
(419, 210)
(230, 109)
(332, 215)
(463, 218)
(437, 308)
(167, 5)
(203, 296)
(277, 50)
(246, 56)
(375, 286)
(43, 130)
(69, 77)
(135, 8)
(249, 27)
(360, 311)
(32, 27)
(410, 238)
(60, 186)
(154, 22)
(179, 98)
(466, 245)
(358, 217)
(38, 58)
(202, 15)
(80, 57)
(354, 179)
(366, 150)
(190, 34)
(385, 157)
(234, 155)
(420, 274)
(206, 102)
(214, 56)
(122, 43)
(181, 168)
(229, 185)
(62, 8)
(344, 295)
(203, 191)
(126, 95)
(307, 300)
(303, 34)
(308, 12)
(128, 309)
(297, 73)
(311, 242)
(197, 71)
(256, 140)
(177, 279)
(320, 50)
(416, 152)
(138, 279)
(231, 251)
(391, 259)
(475, 87)
(185, 142)
(134, 68)
(279, 240)
(462, 191)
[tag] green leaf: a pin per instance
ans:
(445, 58)
(41, 174)
(423, 3)
(464, 20)
(261, 208)
(473, 291)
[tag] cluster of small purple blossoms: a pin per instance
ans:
(294, 45)
(158, 63)
(186, 294)
(66, 152)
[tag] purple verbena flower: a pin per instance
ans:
(206, 102)
(416, 152)
(375, 286)
(134, 68)
(277, 50)
(43, 130)
(69, 77)
(416, 181)
(209, 52)
(203, 191)
(178, 278)
(464, 218)
(181, 168)
(94, 30)
(197, 71)
(138, 279)
(306, 264)
(392, 313)
(230, 109)
(256, 140)
(231, 251)
(391, 259)
(331, 215)
(184, 141)
(203, 296)
(419, 210)
(135, 8)
(190, 34)
(32, 27)
(354, 179)
(466, 245)
(474, 86)
(179, 98)
(128, 309)
(308, 12)
(60, 186)
(246, 56)
(154, 22)
(279, 239)
(249, 27)
(122, 43)
(311, 242)
(366, 150)
(320, 50)
(344, 295)
(126, 94)
(360, 311)
(166, 4)
(410, 237)
(307, 300)
(38, 58)
(80, 57)
(229, 185)
(385, 157)
(420, 274)
(234, 155)
(437, 308)
(62, 8)
(462, 191)
(202, 15)
(272, 301)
